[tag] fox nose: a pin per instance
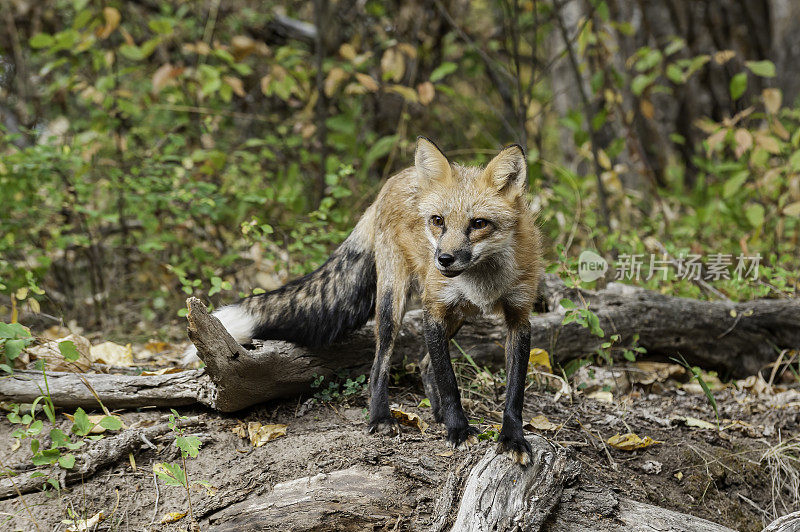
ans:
(446, 259)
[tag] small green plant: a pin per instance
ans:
(338, 389)
(13, 339)
(178, 474)
(697, 374)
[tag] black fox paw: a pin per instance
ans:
(516, 448)
(462, 437)
(387, 425)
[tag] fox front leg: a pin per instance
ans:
(459, 433)
(511, 440)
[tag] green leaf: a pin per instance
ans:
(68, 350)
(46, 457)
(58, 438)
(49, 411)
(379, 149)
(738, 85)
(188, 445)
(13, 348)
(640, 83)
(566, 303)
(765, 68)
(41, 40)
(755, 215)
(81, 424)
(134, 53)
(170, 474)
(35, 428)
(67, 461)
(111, 423)
(442, 71)
(734, 184)
(13, 330)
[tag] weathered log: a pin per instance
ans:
(736, 338)
(72, 390)
(356, 498)
(501, 495)
(480, 494)
(101, 453)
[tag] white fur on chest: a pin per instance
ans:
(481, 288)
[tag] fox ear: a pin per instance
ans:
(509, 169)
(429, 160)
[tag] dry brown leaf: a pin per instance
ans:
(793, 209)
(541, 423)
(768, 142)
(600, 395)
(694, 422)
(723, 56)
(426, 92)
(240, 430)
(172, 517)
(650, 372)
(539, 358)
(630, 442)
(347, 51)
(112, 354)
(82, 525)
(647, 109)
(393, 65)
(242, 46)
(778, 129)
(261, 434)
(51, 354)
(334, 79)
(112, 18)
(161, 77)
(409, 49)
(156, 346)
(755, 384)
(367, 81)
(772, 100)
(235, 84)
(409, 419)
(744, 141)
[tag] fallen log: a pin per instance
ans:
(488, 493)
(105, 452)
(737, 339)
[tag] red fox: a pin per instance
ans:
(466, 239)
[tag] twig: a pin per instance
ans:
(155, 506)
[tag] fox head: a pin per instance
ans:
(469, 213)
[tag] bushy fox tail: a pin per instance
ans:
(316, 309)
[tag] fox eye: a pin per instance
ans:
(479, 223)
(436, 220)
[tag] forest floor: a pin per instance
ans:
(740, 473)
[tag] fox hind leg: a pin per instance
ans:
(390, 307)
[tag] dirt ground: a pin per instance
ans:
(726, 476)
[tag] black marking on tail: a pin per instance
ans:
(322, 307)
